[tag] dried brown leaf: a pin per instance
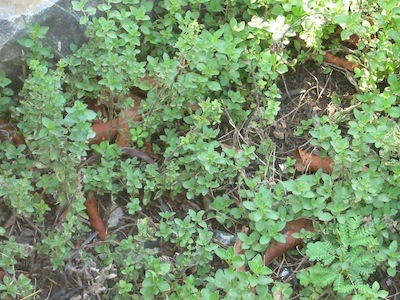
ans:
(340, 62)
(104, 131)
(276, 249)
(117, 129)
(306, 162)
(238, 248)
(94, 218)
(2, 274)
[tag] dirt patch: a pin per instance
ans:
(306, 93)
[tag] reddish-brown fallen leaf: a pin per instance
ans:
(340, 62)
(117, 129)
(229, 147)
(2, 274)
(18, 139)
(306, 162)
(123, 139)
(352, 40)
(10, 220)
(12, 135)
(104, 131)
(149, 149)
(110, 130)
(276, 249)
(94, 218)
(237, 248)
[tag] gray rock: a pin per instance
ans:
(224, 238)
(58, 15)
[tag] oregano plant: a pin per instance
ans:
(182, 119)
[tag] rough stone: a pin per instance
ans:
(58, 15)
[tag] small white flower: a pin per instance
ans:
(278, 28)
(258, 22)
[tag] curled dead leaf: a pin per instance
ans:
(2, 274)
(117, 129)
(104, 131)
(340, 62)
(9, 132)
(94, 218)
(237, 248)
(227, 146)
(307, 162)
(276, 249)
(124, 137)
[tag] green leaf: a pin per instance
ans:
(144, 85)
(319, 250)
(79, 5)
(214, 86)
(83, 20)
(256, 264)
(255, 216)
(391, 272)
(282, 69)
(4, 81)
(324, 216)
(214, 6)
(163, 286)
(250, 205)
(28, 43)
